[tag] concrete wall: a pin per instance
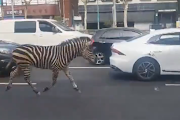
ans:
(142, 26)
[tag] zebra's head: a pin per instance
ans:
(87, 52)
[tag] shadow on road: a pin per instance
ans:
(130, 77)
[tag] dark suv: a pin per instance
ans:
(6, 49)
(104, 38)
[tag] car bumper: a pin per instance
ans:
(121, 64)
(3, 64)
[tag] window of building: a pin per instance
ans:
(25, 27)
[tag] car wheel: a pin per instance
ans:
(100, 58)
(146, 69)
(5, 73)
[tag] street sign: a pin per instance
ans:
(16, 12)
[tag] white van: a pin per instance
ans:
(36, 31)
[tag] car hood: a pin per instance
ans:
(8, 45)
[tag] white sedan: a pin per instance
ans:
(149, 55)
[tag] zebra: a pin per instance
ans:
(55, 58)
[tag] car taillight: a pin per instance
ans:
(92, 41)
(116, 51)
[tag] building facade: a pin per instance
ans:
(141, 13)
(65, 9)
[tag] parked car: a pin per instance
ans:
(149, 55)
(104, 38)
(37, 31)
(6, 49)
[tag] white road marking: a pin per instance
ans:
(17, 83)
(90, 67)
(172, 84)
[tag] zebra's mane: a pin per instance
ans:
(75, 40)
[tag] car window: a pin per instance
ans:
(130, 34)
(45, 26)
(62, 26)
(111, 34)
(25, 27)
(136, 37)
(167, 39)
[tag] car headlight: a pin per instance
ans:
(5, 51)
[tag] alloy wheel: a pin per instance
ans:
(146, 70)
(100, 58)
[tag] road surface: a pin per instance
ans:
(105, 96)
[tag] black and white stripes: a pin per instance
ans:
(55, 58)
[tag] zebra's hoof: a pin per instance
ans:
(77, 89)
(8, 88)
(45, 89)
(39, 93)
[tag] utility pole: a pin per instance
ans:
(114, 14)
(97, 14)
(64, 19)
(2, 10)
(12, 8)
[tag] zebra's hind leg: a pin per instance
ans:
(68, 74)
(54, 80)
(27, 73)
(13, 74)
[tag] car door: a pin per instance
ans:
(47, 35)
(25, 32)
(166, 50)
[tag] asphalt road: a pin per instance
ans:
(105, 96)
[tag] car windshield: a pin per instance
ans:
(136, 37)
(62, 26)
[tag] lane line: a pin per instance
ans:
(90, 67)
(17, 83)
(172, 84)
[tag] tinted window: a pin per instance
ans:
(25, 27)
(106, 0)
(62, 26)
(111, 34)
(167, 39)
(91, 0)
(45, 26)
(129, 34)
(134, 38)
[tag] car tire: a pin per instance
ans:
(5, 73)
(146, 69)
(101, 58)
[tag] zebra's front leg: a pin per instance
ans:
(54, 80)
(68, 74)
